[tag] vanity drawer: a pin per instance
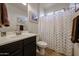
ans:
(10, 48)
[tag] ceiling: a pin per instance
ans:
(46, 5)
(41, 5)
(52, 5)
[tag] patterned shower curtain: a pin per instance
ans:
(56, 29)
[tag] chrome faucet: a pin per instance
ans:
(3, 34)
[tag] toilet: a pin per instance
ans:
(42, 45)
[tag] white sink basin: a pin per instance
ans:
(10, 35)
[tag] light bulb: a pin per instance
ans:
(24, 3)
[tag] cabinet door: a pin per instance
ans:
(30, 49)
(30, 46)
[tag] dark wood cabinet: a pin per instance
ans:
(11, 48)
(25, 47)
(30, 47)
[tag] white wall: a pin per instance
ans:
(32, 27)
(13, 13)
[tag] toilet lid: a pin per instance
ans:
(41, 43)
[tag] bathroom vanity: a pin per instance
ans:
(18, 45)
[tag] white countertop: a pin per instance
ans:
(13, 38)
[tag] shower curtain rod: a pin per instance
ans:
(45, 11)
(75, 8)
(65, 9)
(60, 9)
(68, 8)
